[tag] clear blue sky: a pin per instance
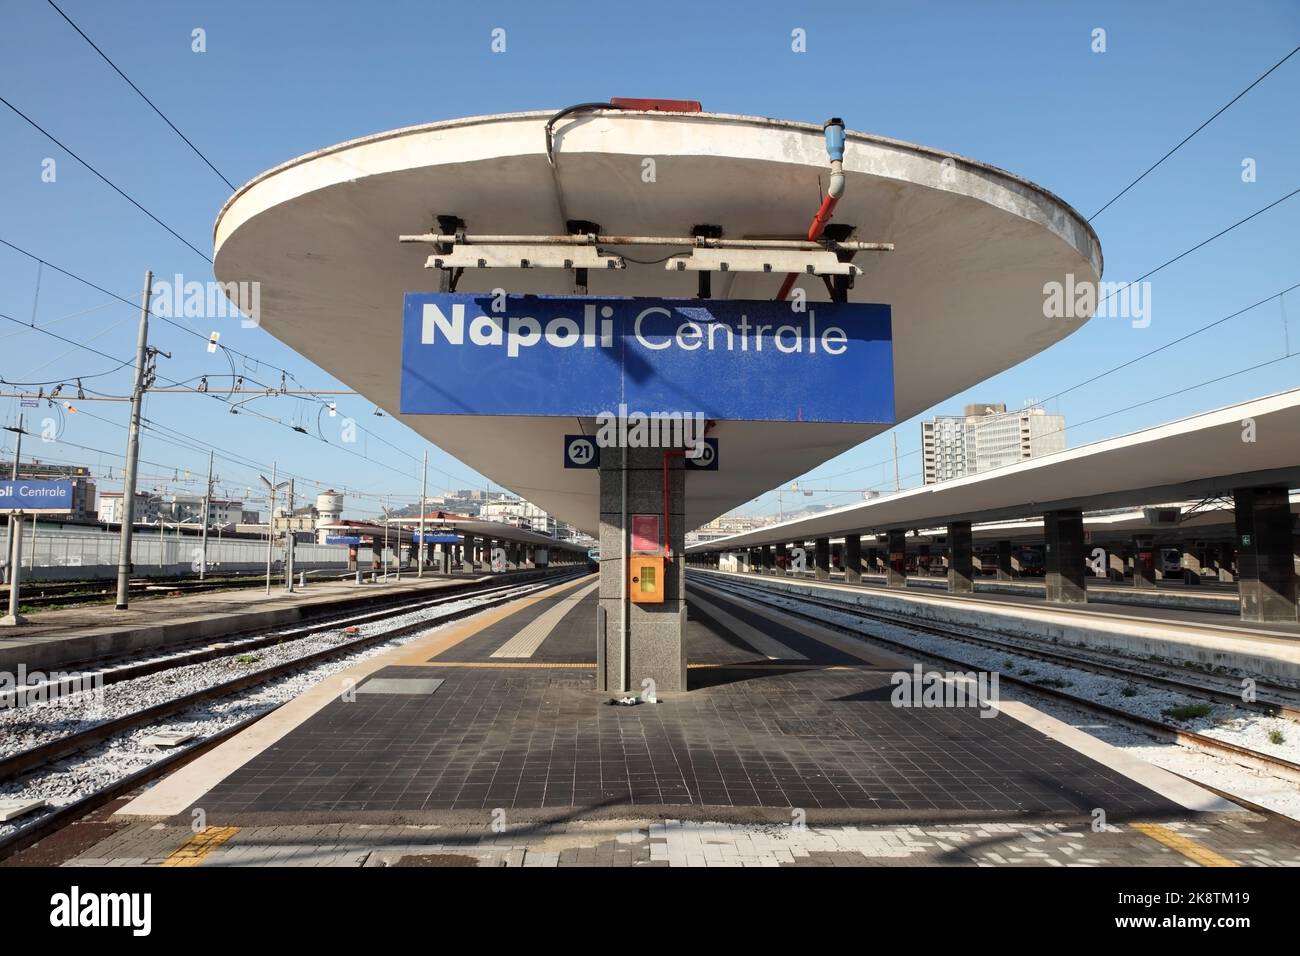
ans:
(1014, 84)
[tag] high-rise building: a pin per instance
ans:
(986, 437)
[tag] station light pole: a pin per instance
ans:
(207, 504)
(15, 539)
(290, 540)
(424, 487)
(133, 446)
(271, 489)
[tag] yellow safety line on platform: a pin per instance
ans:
(780, 666)
(531, 635)
(200, 846)
(424, 654)
(571, 665)
(1188, 847)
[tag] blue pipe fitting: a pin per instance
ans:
(834, 130)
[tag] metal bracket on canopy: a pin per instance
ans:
(812, 262)
(488, 256)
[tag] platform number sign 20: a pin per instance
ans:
(581, 451)
(704, 457)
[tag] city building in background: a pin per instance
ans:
(518, 513)
(146, 511)
(986, 437)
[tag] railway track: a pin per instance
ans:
(33, 760)
(1281, 702)
(1245, 756)
(71, 594)
(203, 649)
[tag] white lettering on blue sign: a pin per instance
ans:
(517, 332)
(562, 356)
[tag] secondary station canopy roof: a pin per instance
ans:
(974, 247)
(1196, 457)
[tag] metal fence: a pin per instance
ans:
(60, 549)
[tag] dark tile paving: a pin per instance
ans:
(574, 638)
(495, 737)
(480, 646)
(748, 734)
(700, 650)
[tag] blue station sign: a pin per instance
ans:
(26, 494)
(342, 539)
(436, 537)
(564, 356)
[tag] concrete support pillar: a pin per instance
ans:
(822, 551)
(655, 639)
(1064, 556)
(1115, 564)
(1145, 557)
(1191, 561)
(782, 561)
(768, 559)
(467, 553)
(961, 566)
(1004, 561)
(853, 559)
(1226, 563)
(1265, 554)
(896, 576)
(923, 560)
(873, 561)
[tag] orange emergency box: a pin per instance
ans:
(646, 578)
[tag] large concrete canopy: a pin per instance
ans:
(1196, 457)
(974, 248)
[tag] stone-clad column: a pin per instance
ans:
(656, 639)
(961, 564)
(853, 559)
(1063, 556)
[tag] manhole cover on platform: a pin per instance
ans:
(417, 686)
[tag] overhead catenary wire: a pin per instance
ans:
(104, 179)
(224, 348)
(140, 93)
(1103, 374)
(1188, 137)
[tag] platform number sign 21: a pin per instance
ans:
(581, 451)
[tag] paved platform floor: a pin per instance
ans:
(781, 713)
(1225, 840)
